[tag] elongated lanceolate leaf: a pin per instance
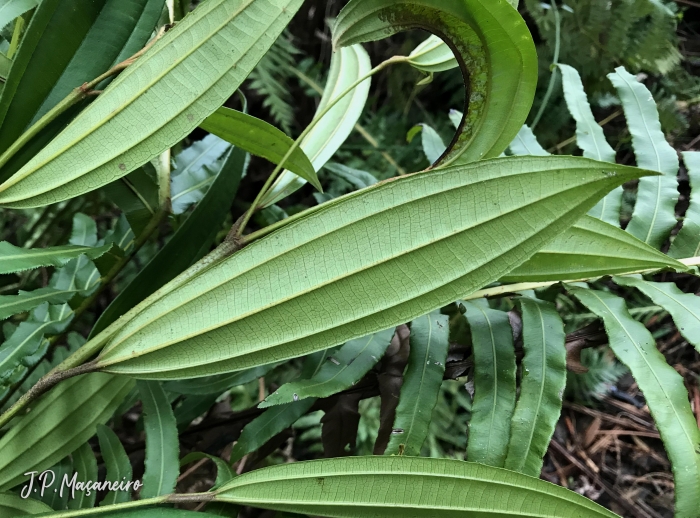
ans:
(433, 55)
(117, 464)
(494, 385)
(12, 505)
(433, 146)
(67, 43)
(259, 138)
(525, 143)
(543, 379)
(162, 445)
(654, 211)
(591, 139)
(421, 384)
(683, 307)
(663, 390)
(137, 196)
(341, 371)
(58, 424)
(491, 43)
(348, 65)
(591, 248)
(687, 242)
(365, 242)
(211, 385)
(15, 259)
(406, 487)
(155, 103)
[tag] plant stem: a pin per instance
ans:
(555, 62)
(78, 94)
(298, 141)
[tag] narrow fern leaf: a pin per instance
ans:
(58, 501)
(84, 470)
(162, 446)
(543, 380)
(116, 462)
(591, 139)
(421, 384)
(525, 143)
(264, 427)
(683, 307)
(26, 300)
(14, 259)
(663, 389)
(494, 385)
(341, 371)
(687, 242)
(12, 504)
(654, 212)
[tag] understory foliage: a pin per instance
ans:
(377, 342)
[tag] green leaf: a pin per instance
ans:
(268, 424)
(12, 505)
(433, 146)
(223, 472)
(494, 385)
(129, 124)
(654, 212)
(219, 384)
(492, 45)
(190, 243)
(663, 390)
(259, 138)
(341, 371)
(432, 56)
(85, 469)
(543, 380)
(14, 259)
(136, 194)
(27, 300)
(421, 384)
(361, 243)
(392, 487)
(196, 168)
(525, 143)
(117, 464)
(590, 248)
(162, 445)
(58, 424)
(358, 179)
(55, 499)
(190, 408)
(591, 139)
(687, 242)
(348, 65)
(67, 43)
(27, 345)
(11, 9)
(683, 307)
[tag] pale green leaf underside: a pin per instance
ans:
(15, 259)
(494, 385)
(259, 138)
(543, 379)
(58, 424)
(253, 307)
(404, 487)
(155, 103)
(590, 248)
(348, 65)
(491, 42)
(525, 143)
(429, 342)
(11, 9)
(433, 55)
(663, 390)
